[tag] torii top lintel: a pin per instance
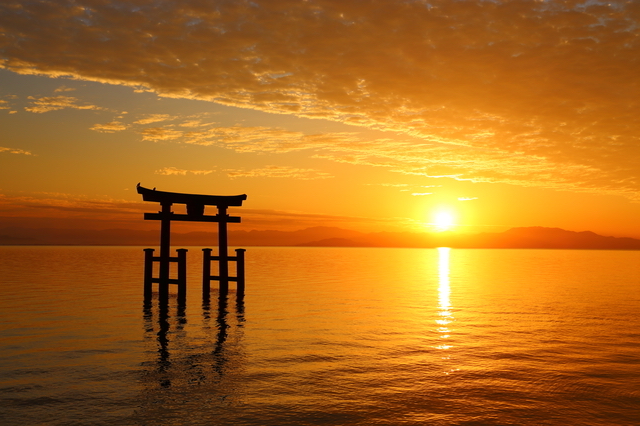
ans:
(191, 199)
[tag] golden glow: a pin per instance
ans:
(443, 220)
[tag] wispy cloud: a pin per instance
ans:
(392, 185)
(279, 172)
(266, 139)
(112, 127)
(67, 208)
(55, 103)
(153, 118)
(156, 134)
(64, 89)
(14, 151)
(181, 172)
(521, 92)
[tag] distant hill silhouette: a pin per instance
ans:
(529, 237)
(334, 242)
(539, 237)
(322, 236)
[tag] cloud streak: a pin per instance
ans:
(14, 151)
(55, 103)
(104, 213)
(280, 172)
(112, 127)
(168, 171)
(522, 92)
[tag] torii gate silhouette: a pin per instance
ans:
(195, 213)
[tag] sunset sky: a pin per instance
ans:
(367, 115)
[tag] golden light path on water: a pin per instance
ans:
(445, 316)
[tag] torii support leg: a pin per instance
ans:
(240, 271)
(148, 273)
(182, 276)
(206, 274)
(165, 251)
(222, 247)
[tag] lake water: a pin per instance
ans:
(324, 336)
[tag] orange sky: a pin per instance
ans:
(368, 115)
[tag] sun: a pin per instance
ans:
(443, 220)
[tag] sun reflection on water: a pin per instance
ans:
(444, 302)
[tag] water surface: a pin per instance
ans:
(337, 336)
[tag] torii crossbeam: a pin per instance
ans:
(195, 213)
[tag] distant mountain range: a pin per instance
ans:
(530, 237)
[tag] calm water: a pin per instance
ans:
(336, 336)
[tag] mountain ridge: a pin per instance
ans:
(324, 236)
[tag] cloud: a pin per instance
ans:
(294, 220)
(199, 131)
(265, 139)
(521, 92)
(14, 151)
(174, 171)
(64, 89)
(280, 172)
(467, 198)
(65, 206)
(153, 118)
(54, 103)
(392, 185)
(192, 123)
(68, 211)
(156, 134)
(114, 126)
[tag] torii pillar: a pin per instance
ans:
(195, 213)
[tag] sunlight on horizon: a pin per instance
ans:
(443, 220)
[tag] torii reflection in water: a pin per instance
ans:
(208, 355)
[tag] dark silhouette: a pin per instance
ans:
(173, 361)
(219, 357)
(162, 336)
(195, 213)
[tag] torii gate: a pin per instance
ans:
(195, 213)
